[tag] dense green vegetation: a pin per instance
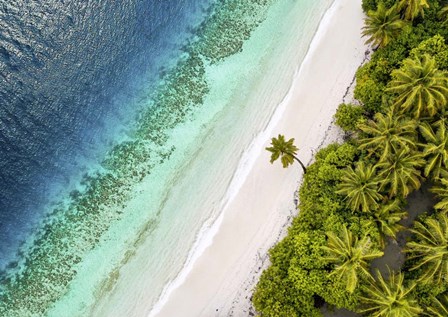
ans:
(353, 197)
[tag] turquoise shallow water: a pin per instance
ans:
(141, 208)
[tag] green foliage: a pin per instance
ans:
(427, 29)
(420, 87)
(368, 5)
(356, 191)
(435, 149)
(443, 14)
(275, 296)
(390, 298)
(350, 256)
(373, 77)
(391, 56)
(430, 249)
(337, 295)
(318, 198)
(388, 134)
(285, 150)
(360, 225)
(400, 173)
(368, 89)
(435, 47)
(439, 306)
(299, 270)
(413, 8)
(383, 25)
(348, 116)
(387, 218)
(287, 287)
(340, 155)
(441, 191)
(360, 186)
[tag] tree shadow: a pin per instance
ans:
(331, 312)
(418, 202)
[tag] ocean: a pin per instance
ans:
(122, 125)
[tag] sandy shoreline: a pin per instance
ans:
(222, 277)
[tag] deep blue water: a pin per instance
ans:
(72, 77)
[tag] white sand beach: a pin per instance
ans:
(221, 279)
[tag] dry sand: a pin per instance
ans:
(221, 280)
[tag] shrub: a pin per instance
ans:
(348, 116)
(436, 47)
(373, 4)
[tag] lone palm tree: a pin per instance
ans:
(388, 134)
(360, 187)
(430, 249)
(399, 172)
(436, 148)
(389, 298)
(285, 150)
(382, 26)
(413, 8)
(351, 257)
(420, 86)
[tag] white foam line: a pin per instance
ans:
(207, 232)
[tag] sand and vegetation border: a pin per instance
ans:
(359, 243)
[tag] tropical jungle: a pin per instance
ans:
(371, 234)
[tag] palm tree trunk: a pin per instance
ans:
(301, 164)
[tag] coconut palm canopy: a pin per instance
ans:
(285, 150)
(413, 8)
(441, 191)
(435, 149)
(390, 298)
(400, 173)
(363, 196)
(430, 249)
(351, 257)
(382, 25)
(388, 217)
(420, 87)
(360, 186)
(443, 14)
(439, 306)
(387, 134)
